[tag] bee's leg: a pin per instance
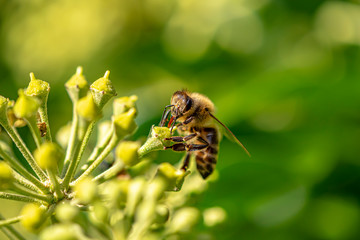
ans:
(181, 139)
(179, 147)
(185, 165)
(187, 121)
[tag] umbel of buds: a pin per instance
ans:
(111, 190)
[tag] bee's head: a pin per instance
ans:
(182, 103)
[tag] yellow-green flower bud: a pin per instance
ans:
(38, 88)
(162, 214)
(48, 155)
(184, 219)
(85, 190)
(4, 103)
(214, 216)
(99, 213)
(25, 106)
(6, 176)
(125, 123)
(156, 140)
(32, 217)
(66, 212)
(127, 152)
(135, 192)
(77, 86)
(124, 104)
(116, 191)
(63, 232)
(87, 109)
(172, 176)
(102, 90)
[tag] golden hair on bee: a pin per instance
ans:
(193, 114)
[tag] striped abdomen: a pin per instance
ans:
(206, 158)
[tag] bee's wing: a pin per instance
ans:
(229, 134)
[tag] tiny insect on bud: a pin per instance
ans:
(124, 104)
(32, 217)
(102, 90)
(25, 106)
(66, 212)
(77, 86)
(48, 155)
(172, 176)
(38, 88)
(125, 123)
(87, 109)
(85, 190)
(6, 176)
(127, 152)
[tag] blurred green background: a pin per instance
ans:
(283, 74)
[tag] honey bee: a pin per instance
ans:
(192, 113)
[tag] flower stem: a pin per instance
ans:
(26, 192)
(34, 130)
(25, 183)
(113, 142)
(81, 145)
(24, 151)
(18, 167)
(10, 221)
(72, 141)
(12, 230)
(55, 183)
(110, 173)
(44, 118)
(21, 198)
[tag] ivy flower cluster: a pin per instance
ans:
(68, 195)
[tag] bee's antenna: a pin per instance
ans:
(232, 134)
(165, 115)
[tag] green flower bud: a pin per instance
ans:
(63, 232)
(25, 106)
(77, 86)
(125, 123)
(117, 191)
(38, 88)
(102, 90)
(184, 219)
(124, 104)
(4, 103)
(135, 193)
(48, 155)
(103, 130)
(66, 212)
(156, 140)
(32, 217)
(87, 109)
(162, 214)
(172, 176)
(99, 213)
(127, 152)
(6, 176)
(86, 190)
(214, 216)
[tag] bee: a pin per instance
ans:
(193, 115)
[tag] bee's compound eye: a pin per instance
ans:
(189, 104)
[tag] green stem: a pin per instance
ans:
(72, 141)
(12, 230)
(18, 167)
(10, 221)
(44, 118)
(78, 153)
(25, 183)
(24, 151)
(113, 142)
(34, 130)
(54, 181)
(21, 198)
(98, 149)
(110, 173)
(26, 192)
